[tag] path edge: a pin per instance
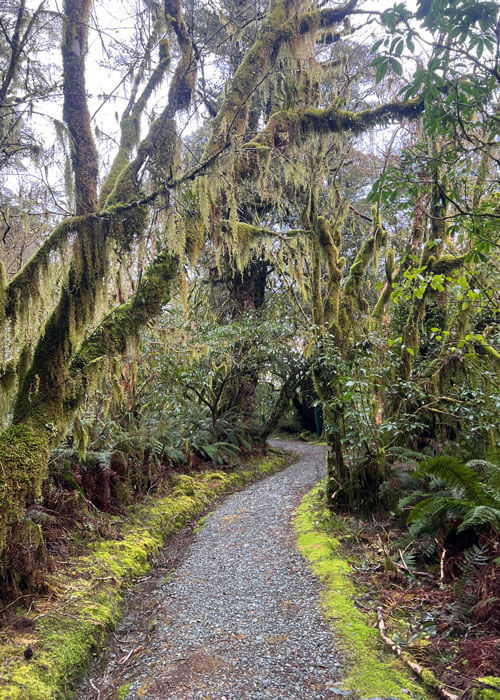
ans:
(91, 591)
(370, 671)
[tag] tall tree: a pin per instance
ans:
(274, 104)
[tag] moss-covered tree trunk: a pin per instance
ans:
(39, 411)
(350, 486)
(64, 359)
(248, 295)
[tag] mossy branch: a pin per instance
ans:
(393, 275)
(163, 130)
(352, 300)
(424, 674)
(25, 284)
(487, 350)
(113, 335)
(129, 126)
(291, 127)
(278, 29)
(250, 232)
(448, 264)
(325, 18)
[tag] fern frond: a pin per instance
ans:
(454, 474)
(403, 453)
(410, 499)
(481, 515)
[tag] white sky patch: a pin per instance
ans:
(113, 23)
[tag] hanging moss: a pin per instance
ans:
(8, 382)
(26, 285)
(24, 362)
(114, 334)
(8, 376)
(41, 395)
(3, 295)
(166, 157)
(233, 115)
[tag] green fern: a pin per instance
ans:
(481, 515)
(455, 474)
(473, 559)
(462, 502)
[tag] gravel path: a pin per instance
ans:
(240, 618)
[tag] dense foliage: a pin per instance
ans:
(293, 208)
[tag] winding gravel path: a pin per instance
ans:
(240, 618)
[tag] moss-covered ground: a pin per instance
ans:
(66, 628)
(370, 671)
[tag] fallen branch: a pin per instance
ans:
(97, 690)
(404, 567)
(125, 658)
(422, 673)
(441, 561)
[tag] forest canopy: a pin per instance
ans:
(212, 212)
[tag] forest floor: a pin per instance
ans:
(240, 617)
(230, 609)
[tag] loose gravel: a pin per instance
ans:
(240, 618)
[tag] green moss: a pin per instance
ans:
(3, 296)
(27, 283)
(370, 672)
(8, 377)
(122, 691)
(200, 525)
(92, 590)
(123, 324)
(24, 455)
(185, 485)
(491, 692)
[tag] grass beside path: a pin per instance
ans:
(65, 629)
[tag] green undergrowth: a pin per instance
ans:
(370, 671)
(490, 691)
(71, 625)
